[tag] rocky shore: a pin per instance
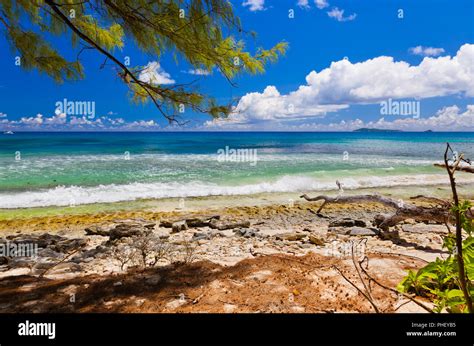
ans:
(145, 250)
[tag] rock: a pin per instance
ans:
(422, 228)
(246, 232)
(191, 222)
(290, 236)
(118, 283)
(229, 308)
(363, 231)
(201, 236)
(48, 252)
(305, 246)
(166, 224)
(338, 230)
(97, 230)
(179, 226)
(347, 222)
(389, 235)
(41, 241)
(220, 225)
(174, 304)
(68, 245)
(20, 262)
(201, 222)
(127, 230)
(53, 268)
(315, 240)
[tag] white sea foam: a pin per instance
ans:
(75, 195)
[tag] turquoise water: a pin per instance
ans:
(42, 169)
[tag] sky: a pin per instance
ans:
(400, 64)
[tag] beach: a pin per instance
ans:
(239, 242)
(285, 251)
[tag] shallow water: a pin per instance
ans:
(71, 169)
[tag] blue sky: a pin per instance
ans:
(346, 59)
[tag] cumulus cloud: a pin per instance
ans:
(448, 118)
(371, 81)
(338, 15)
(62, 122)
(57, 119)
(3, 115)
(143, 124)
(153, 73)
(303, 3)
(255, 5)
(426, 51)
(321, 4)
(34, 121)
(451, 118)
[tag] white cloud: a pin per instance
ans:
(199, 72)
(3, 115)
(143, 123)
(450, 118)
(271, 105)
(61, 121)
(154, 74)
(34, 121)
(338, 14)
(426, 51)
(80, 121)
(57, 119)
(255, 5)
(303, 3)
(344, 83)
(321, 4)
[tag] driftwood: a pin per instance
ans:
(439, 213)
(464, 168)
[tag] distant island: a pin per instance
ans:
(365, 129)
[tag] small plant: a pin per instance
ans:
(145, 250)
(449, 282)
(151, 249)
(187, 252)
(124, 254)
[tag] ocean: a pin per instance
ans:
(60, 169)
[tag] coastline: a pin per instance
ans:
(176, 205)
(267, 241)
(278, 238)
